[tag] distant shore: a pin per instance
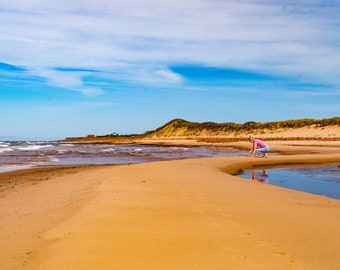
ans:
(185, 132)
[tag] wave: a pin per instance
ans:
(108, 150)
(32, 147)
(5, 150)
(66, 144)
(14, 167)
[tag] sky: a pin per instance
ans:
(69, 68)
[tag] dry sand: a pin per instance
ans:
(185, 214)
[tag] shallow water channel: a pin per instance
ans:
(321, 180)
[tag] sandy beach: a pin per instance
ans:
(183, 214)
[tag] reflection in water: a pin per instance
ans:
(321, 180)
(262, 176)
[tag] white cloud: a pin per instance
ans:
(90, 91)
(68, 80)
(158, 77)
(133, 39)
(169, 76)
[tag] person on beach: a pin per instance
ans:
(259, 147)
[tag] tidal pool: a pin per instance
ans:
(322, 180)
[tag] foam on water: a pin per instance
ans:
(32, 147)
(108, 150)
(5, 149)
(12, 167)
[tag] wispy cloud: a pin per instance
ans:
(140, 40)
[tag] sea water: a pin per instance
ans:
(321, 180)
(15, 155)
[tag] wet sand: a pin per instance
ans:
(183, 214)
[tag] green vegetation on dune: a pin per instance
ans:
(180, 126)
(220, 132)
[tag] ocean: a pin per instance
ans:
(16, 155)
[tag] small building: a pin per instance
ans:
(90, 136)
(111, 134)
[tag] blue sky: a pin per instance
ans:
(68, 68)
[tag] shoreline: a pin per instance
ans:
(11, 180)
(152, 215)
